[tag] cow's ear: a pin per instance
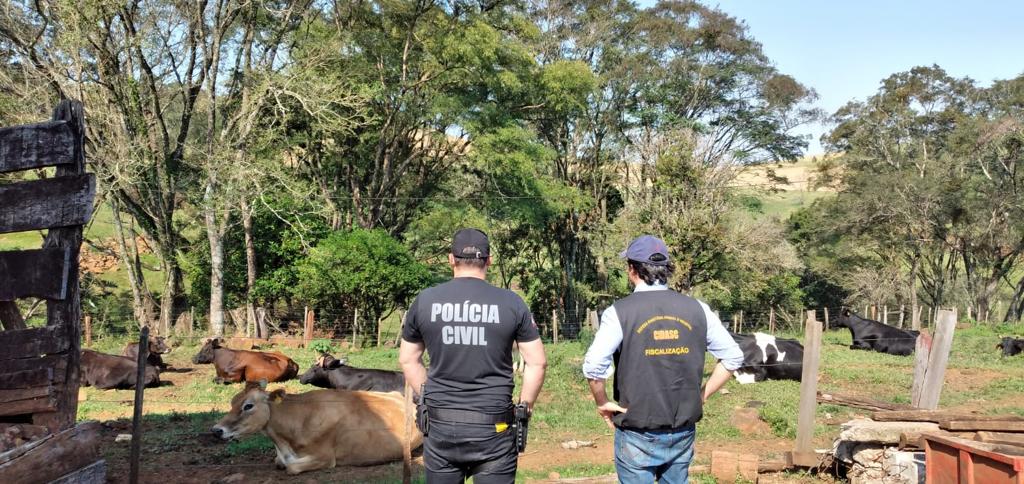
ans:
(250, 385)
(336, 364)
(277, 395)
(846, 312)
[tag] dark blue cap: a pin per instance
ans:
(471, 244)
(647, 249)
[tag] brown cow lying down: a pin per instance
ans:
(235, 366)
(321, 428)
(111, 371)
(157, 346)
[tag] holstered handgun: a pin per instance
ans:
(422, 419)
(522, 426)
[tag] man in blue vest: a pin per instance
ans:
(657, 338)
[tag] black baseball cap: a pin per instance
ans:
(647, 249)
(470, 244)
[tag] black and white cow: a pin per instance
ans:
(329, 372)
(873, 335)
(766, 357)
(1011, 346)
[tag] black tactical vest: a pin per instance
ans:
(659, 366)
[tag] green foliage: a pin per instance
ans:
(364, 269)
(322, 346)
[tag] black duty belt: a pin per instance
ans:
(470, 417)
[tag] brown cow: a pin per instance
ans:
(235, 366)
(111, 371)
(157, 346)
(321, 428)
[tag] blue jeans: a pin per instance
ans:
(656, 455)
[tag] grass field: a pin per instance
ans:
(179, 413)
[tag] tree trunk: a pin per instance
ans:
(216, 237)
(915, 315)
(143, 305)
(250, 270)
(1016, 309)
(171, 299)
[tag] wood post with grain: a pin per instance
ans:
(39, 366)
(803, 453)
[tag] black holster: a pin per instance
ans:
(422, 416)
(521, 425)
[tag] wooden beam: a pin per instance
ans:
(26, 379)
(24, 394)
(803, 453)
(42, 204)
(41, 273)
(10, 315)
(29, 406)
(922, 349)
(59, 363)
(935, 416)
(986, 425)
(938, 359)
(861, 402)
(1003, 438)
(915, 440)
(53, 456)
(26, 343)
(36, 145)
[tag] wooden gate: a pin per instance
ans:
(39, 366)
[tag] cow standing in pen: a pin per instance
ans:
(873, 335)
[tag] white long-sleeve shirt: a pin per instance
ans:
(597, 364)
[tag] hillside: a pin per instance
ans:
(782, 188)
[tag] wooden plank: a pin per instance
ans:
(24, 343)
(808, 387)
(914, 440)
(59, 363)
(24, 393)
(26, 379)
(41, 273)
(95, 473)
(54, 457)
(935, 416)
(938, 359)
(987, 425)
(42, 204)
(10, 316)
(35, 145)
(1004, 438)
(922, 348)
(28, 406)
(861, 402)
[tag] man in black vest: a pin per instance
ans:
(657, 338)
(468, 326)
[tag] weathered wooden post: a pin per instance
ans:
(902, 307)
(938, 358)
(554, 325)
(826, 319)
(140, 377)
(922, 348)
(803, 453)
(87, 321)
(771, 320)
(307, 327)
(885, 314)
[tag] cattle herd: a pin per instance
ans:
(359, 405)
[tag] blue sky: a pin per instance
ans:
(843, 48)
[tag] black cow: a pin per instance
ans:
(329, 372)
(766, 357)
(873, 335)
(1011, 346)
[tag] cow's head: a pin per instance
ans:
(158, 345)
(250, 411)
(1011, 346)
(205, 355)
(843, 321)
(318, 373)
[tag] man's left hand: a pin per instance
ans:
(608, 410)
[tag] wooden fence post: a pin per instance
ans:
(968, 311)
(593, 319)
(140, 378)
(771, 320)
(826, 319)
(938, 358)
(554, 325)
(355, 325)
(379, 334)
(739, 323)
(867, 312)
(922, 347)
(87, 322)
(307, 327)
(885, 314)
(902, 307)
(803, 453)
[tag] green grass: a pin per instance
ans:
(566, 411)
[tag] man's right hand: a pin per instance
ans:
(607, 410)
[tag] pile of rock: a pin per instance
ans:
(871, 451)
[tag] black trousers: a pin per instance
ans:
(453, 452)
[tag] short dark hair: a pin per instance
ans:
(653, 274)
(471, 262)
